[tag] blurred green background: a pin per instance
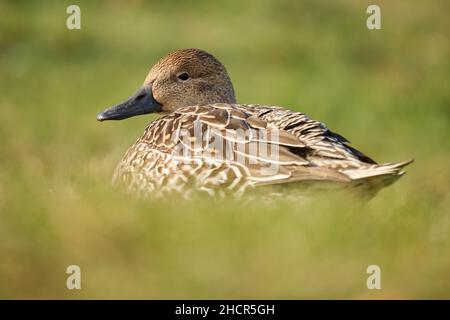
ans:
(385, 90)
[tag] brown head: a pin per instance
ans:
(182, 78)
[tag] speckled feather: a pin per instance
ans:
(308, 151)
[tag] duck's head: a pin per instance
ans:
(182, 78)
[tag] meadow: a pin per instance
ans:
(386, 90)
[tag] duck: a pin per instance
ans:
(205, 141)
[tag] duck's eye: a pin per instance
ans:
(183, 76)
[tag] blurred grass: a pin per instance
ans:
(386, 90)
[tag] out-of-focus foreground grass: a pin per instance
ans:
(387, 91)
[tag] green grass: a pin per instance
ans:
(387, 91)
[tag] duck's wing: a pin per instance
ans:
(322, 146)
(327, 149)
(229, 136)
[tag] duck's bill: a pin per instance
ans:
(142, 102)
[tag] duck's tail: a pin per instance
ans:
(375, 177)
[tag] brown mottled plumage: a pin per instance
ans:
(195, 92)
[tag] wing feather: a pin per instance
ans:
(235, 135)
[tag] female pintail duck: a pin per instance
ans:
(207, 141)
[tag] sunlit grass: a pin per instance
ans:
(387, 91)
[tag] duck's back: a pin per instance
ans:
(228, 148)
